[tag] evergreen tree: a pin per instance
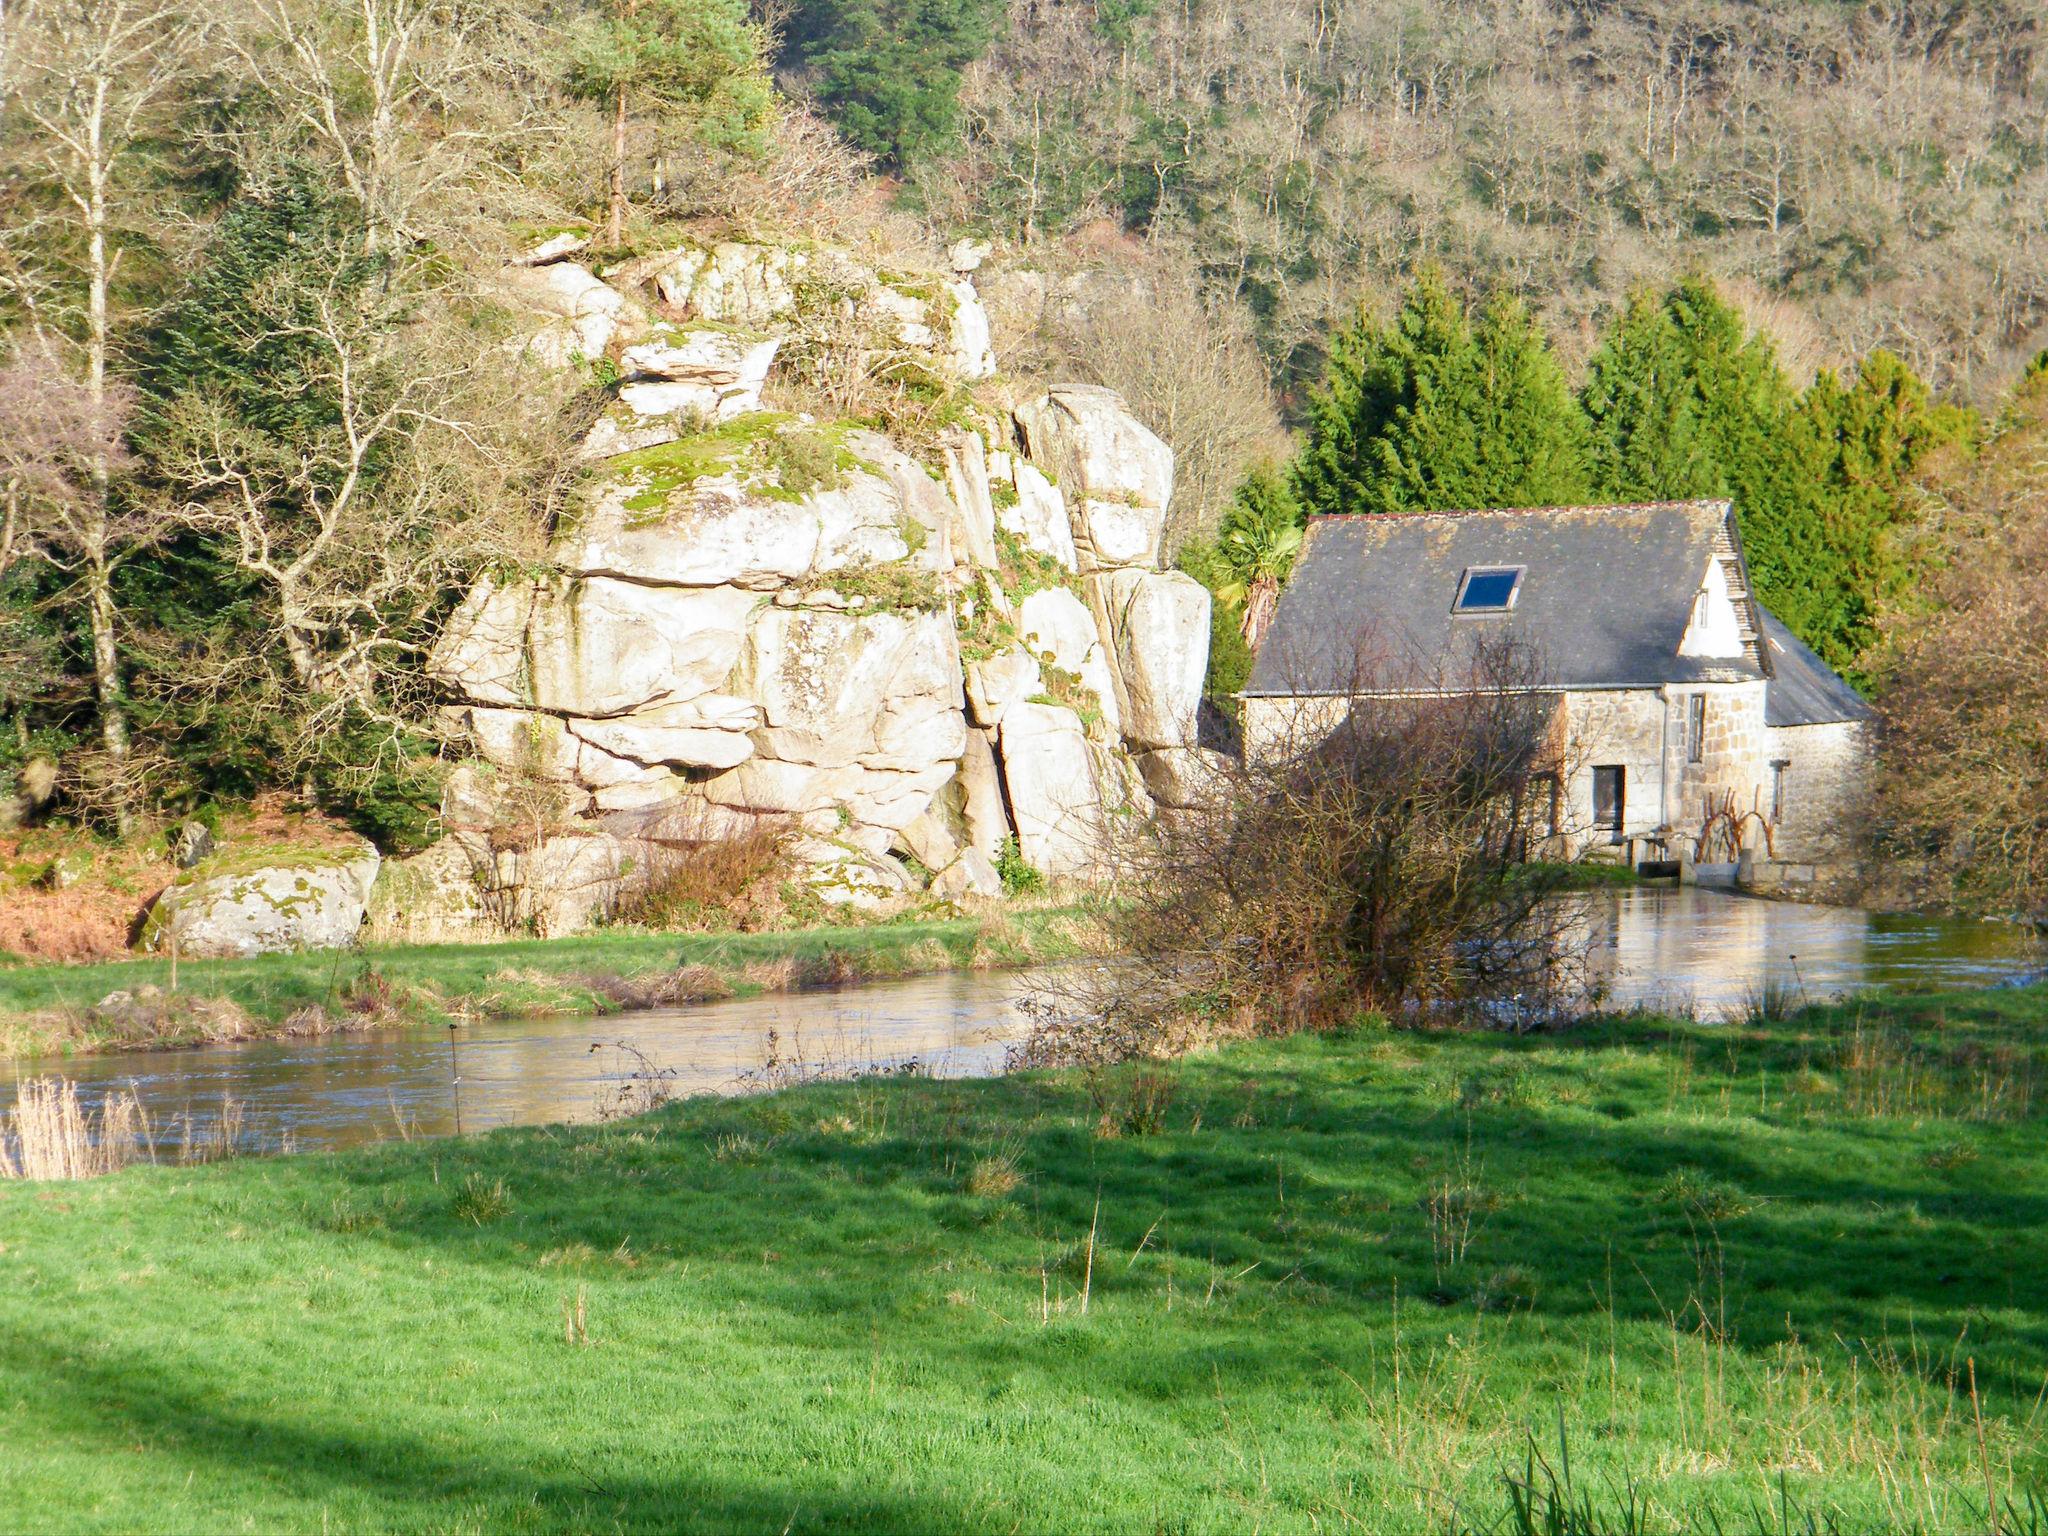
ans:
(1685, 402)
(698, 59)
(889, 70)
(1431, 414)
(1873, 435)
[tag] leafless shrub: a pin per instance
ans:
(1964, 780)
(719, 883)
(632, 1084)
(1370, 860)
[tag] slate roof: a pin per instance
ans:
(1804, 690)
(1604, 601)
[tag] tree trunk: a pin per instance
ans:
(95, 540)
(618, 216)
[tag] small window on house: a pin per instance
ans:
(1696, 728)
(1780, 785)
(1488, 589)
(1609, 801)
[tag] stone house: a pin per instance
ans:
(1689, 725)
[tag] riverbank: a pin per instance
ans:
(131, 1005)
(1310, 1284)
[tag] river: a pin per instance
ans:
(1701, 949)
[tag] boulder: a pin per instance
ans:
(435, 896)
(259, 904)
(1053, 791)
(1158, 626)
(1038, 517)
(1185, 778)
(970, 352)
(602, 646)
(716, 374)
(965, 256)
(1059, 632)
(972, 874)
(1117, 473)
(1009, 677)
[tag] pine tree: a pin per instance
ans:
(702, 59)
(1431, 414)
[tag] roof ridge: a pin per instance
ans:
(1720, 504)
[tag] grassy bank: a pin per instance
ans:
(66, 1008)
(1322, 1284)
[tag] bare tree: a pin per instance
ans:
(1371, 859)
(1963, 791)
(94, 78)
(417, 468)
(391, 93)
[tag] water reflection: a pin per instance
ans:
(342, 1090)
(1710, 951)
(1655, 946)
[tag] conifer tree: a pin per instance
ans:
(697, 57)
(1686, 402)
(1872, 436)
(1430, 414)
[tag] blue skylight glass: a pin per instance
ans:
(1489, 589)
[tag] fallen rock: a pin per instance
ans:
(273, 903)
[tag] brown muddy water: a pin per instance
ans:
(1702, 950)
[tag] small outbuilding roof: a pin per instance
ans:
(1804, 689)
(1603, 597)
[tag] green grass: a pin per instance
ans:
(46, 1008)
(1322, 1284)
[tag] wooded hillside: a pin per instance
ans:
(1877, 171)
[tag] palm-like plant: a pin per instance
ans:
(1260, 536)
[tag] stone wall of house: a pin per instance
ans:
(1732, 777)
(1826, 784)
(1622, 728)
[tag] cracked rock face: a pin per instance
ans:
(759, 617)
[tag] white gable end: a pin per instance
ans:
(1715, 630)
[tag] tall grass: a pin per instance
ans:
(51, 1134)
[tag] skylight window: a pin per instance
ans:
(1489, 589)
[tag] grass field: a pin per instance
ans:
(56, 1008)
(1323, 1284)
